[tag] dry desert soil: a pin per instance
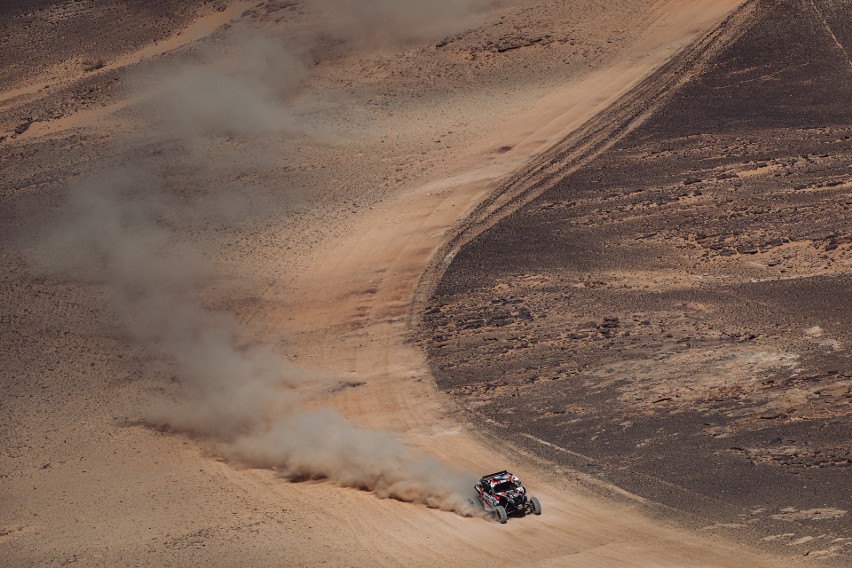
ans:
(605, 244)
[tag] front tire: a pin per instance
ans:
(536, 506)
(500, 513)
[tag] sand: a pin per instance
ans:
(403, 143)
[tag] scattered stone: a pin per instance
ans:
(447, 40)
(516, 43)
(470, 324)
(93, 65)
(498, 320)
(524, 313)
(505, 300)
(24, 126)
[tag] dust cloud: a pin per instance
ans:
(366, 23)
(117, 229)
(322, 444)
(124, 229)
(242, 89)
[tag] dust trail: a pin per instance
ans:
(367, 23)
(124, 229)
(239, 397)
(322, 444)
(116, 230)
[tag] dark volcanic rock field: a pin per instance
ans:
(675, 316)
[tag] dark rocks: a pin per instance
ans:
(516, 43)
(93, 65)
(24, 126)
(524, 314)
(470, 324)
(447, 40)
(499, 320)
(506, 300)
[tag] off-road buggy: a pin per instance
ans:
(503, 494)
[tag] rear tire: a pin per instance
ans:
(500, 513)
(536, 506)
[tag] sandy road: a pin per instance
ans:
(348, 313)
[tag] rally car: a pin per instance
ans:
(503, 494)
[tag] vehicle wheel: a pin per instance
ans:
(500, 512)
(536, 506)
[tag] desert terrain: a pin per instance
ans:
(673, 315)
(281, 279)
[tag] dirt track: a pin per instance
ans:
(83, 480)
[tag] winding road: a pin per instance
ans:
(350, 313)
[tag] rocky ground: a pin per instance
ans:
(675, 315)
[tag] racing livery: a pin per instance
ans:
(503, 494)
